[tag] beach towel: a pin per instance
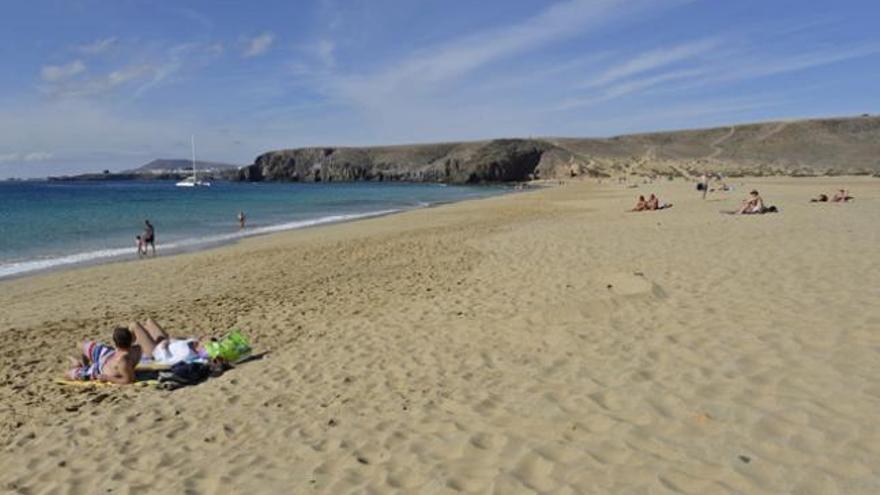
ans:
(767, 209)
(97, 384)
(151, 365)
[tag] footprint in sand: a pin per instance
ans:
(632, 284)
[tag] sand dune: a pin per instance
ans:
(544, 342)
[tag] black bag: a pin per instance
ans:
(184, 374)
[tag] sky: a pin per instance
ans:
(88, 85)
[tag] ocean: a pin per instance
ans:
(45, 225)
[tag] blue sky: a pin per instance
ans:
(87, 85)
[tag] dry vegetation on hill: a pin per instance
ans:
(849, 146)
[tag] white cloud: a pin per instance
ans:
(702, 63)
(37, 156)
(759, 66)
(654, 59)
(318, 60)
(442, 63)
(191, 15)
(216, 49)
(54, 73)
(258, 45)
(101, 83)
(99, 131)
(98, 46)
(126, 74)
(33, 156)
(106, 137)
(180, 59)
(151, 71)
(324, 52)
(670, 116)
(737, 66)
(624, 88)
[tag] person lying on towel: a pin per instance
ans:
(842, 196)
(164, 349)
(101, 362)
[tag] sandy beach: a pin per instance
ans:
(539, 342)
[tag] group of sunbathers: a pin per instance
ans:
(652, 203)
(842, 196)
(117, 365)
(752, 205)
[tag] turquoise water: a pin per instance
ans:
(51, 224)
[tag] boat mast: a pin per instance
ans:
(193, 142)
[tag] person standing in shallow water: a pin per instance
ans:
(241, 219)
(139, 241)
(149, 237)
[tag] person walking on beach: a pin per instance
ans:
(704, 184)
(241, 219)
(149, 237)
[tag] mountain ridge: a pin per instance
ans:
(807, 147)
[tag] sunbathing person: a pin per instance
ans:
(641, 204)
(752, 205)
(842, 196)
(104, 363)
(654, 203)
(163, 348)
(822, 198)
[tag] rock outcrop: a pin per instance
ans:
(501, 160)
(806, 147)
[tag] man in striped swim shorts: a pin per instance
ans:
(104, 363)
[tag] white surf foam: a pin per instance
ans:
(27, 266)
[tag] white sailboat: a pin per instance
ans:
(194, 180)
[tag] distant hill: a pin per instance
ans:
(797, 148)
(162, 169)
(165, 166)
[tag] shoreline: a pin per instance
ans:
(123, 255)
(550, 341)
(188, 245)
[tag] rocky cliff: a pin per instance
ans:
(807, 147)
(462, 163)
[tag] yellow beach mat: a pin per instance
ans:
(150, 366)
(95, 384)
